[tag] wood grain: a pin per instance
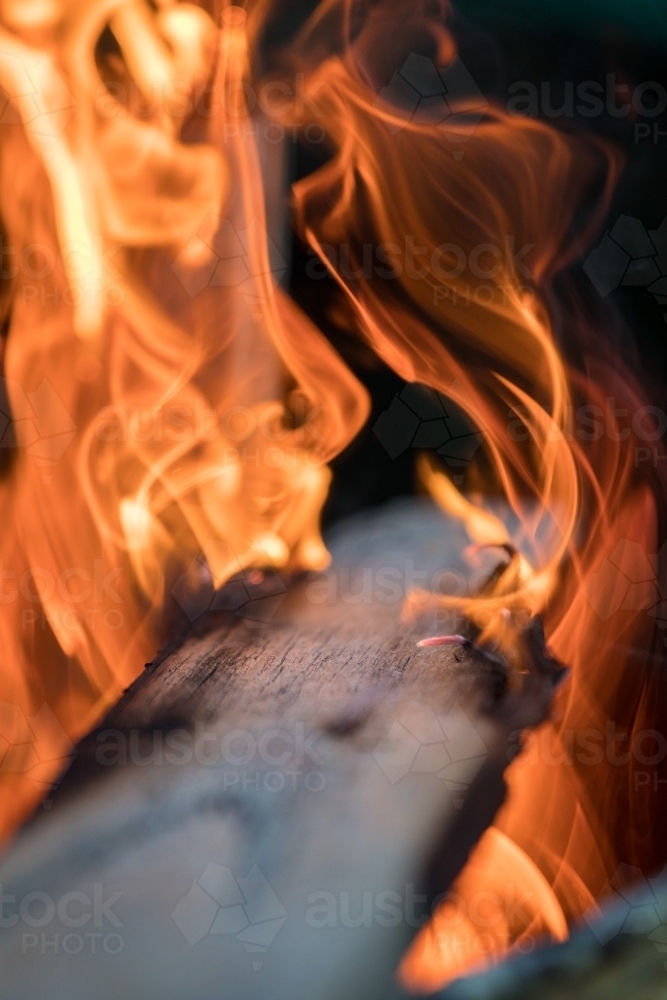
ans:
(257, 771)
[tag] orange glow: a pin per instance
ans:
(455, 188)
(173, 405)
(500, 901)
(184, 438)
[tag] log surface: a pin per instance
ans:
(272, 807)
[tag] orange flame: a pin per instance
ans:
(461, 189)
(171, 401)
(500, 898)
(199, 424)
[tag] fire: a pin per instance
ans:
(205, 406)
(501, 898)
(566, 825)
(203, 425)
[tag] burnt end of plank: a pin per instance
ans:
(272, 807)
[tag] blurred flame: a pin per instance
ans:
(203, 422)
(505, 182)
(501, 899)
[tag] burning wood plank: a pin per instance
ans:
(277, 805)
(111, 523)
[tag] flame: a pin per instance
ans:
(519, 588)
(202, 424)
(173, 406)
(460, 187)
(500, 900)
